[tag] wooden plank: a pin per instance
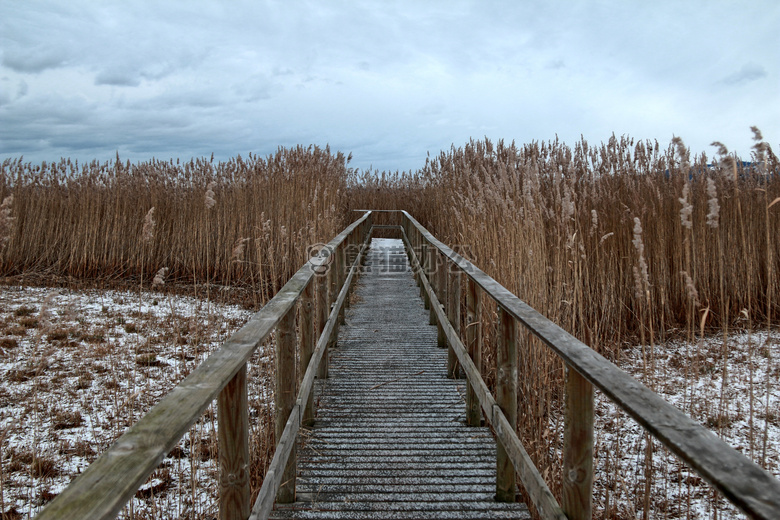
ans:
(284, 397)
(474, 347)
(577, 497)
(453, 315)
(506, 398)
(318, 357)
(431, 275)
(323, 309)
(341, 276)
(534, 484)
(111, 480)
(274, 476)
(421, 269)
(307, 343)
(755, 491)
(233, 435)
(389, 427)
(440, 285)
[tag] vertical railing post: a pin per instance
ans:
(431, 269)
(308, 341)
(474, 346)
(333, 293)
(424, 272)
(342, 277)
(233, 434)
(506, 398)
(578, 447)
(441, 293)
(453, 314)
(323, 310)
(285, 397)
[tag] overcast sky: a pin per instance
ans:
(388, 81)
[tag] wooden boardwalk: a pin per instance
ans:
(390, 439)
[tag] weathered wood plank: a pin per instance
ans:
(233, 435)
(308, 340)
(318, 357)
(284, 397)
(577, 497)
(274, 477)
(741, 481)
(109, 482)
(534, 484)
(506, 398)
(390, 434)
(474, 347)
(323, 309)
(453, 314)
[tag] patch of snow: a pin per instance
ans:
(79, 367)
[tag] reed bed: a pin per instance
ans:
(243, 222)
(625, 243)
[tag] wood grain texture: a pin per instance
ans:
(275, 474)
(112, 480)
(233, 435)
(308, 339)
(741, 481)
(284, 397)
(323, 309)
(534, 484)
(506, 398)
(390, 441)
(577, 500)
(474, 347)
(453, 314)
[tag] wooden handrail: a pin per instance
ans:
(740, 480)
(535, 485)
(273, 478)
(114, 477)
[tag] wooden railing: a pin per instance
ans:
(111, 481)
(438, 269)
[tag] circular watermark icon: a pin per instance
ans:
(320, 258)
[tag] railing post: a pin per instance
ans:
(285, 397)
(506, 397)
(578, 448)
(431, 269)
(423, 258)
(308, 341)
(233, 434)
(342, 277)
(441, 293)
(323, 310)
(453, 314)
(474, 346)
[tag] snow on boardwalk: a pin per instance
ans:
(390, 439)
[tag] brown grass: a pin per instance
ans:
(594, 238)
(90, 221)
(618, 243)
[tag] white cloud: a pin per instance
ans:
(388, 81)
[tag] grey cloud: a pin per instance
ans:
(117, 78)
(33, 60)
(747, 73)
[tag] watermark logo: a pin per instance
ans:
(320, 258)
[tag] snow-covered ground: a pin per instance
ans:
(79, 367)
(745, 412)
